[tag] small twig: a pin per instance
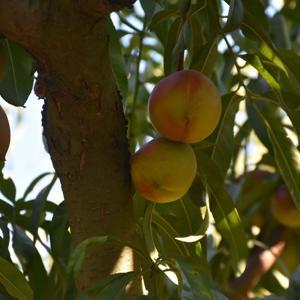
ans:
(130, 25)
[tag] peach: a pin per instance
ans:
(185, 107)
(4, 135)
(283, 208)
(162, 170)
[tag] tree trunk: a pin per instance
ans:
(83, 121)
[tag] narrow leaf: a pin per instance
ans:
(224, 143)
(225, 214)
(286, 153)
(33, 184)
(235, 16)
(162, 15)
(14, 281)
(39, 205)
(17, 83)
(110, 288)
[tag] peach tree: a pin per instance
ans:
(231, 230)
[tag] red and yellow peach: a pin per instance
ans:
(162, 170)
(185, 107)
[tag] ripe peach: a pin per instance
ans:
(162, 170)
(185, 107)
(283, 208)
(4, 135)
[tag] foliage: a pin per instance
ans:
(195, 247)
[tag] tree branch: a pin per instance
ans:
(20, 20)
(259, 263)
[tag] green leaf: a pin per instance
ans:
(109, 288)
(255, 192)
(291, 103)
(78, 254)
(200, 232)
(291, 61)
(33, 184)
(286, 153)
(60, 237)
(148, 7)
(57, 283)
(224, 142)
(197, 38)
(196, 281)
(14, 281)
(254, 30)
(173, 46)
(117, 59)
(39, 204)
(170, 232)
(5, 240)
(7, 188)
(205, 58)
(148, 235)
(258, 126)
(213, 19)
(258, 65)
(279, 32)
(30, 260)
(235, 16)
(225, 214)
(17, 83)
(162, 15)
(6, 210)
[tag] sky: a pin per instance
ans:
(26, 157)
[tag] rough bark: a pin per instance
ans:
(83, 121)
